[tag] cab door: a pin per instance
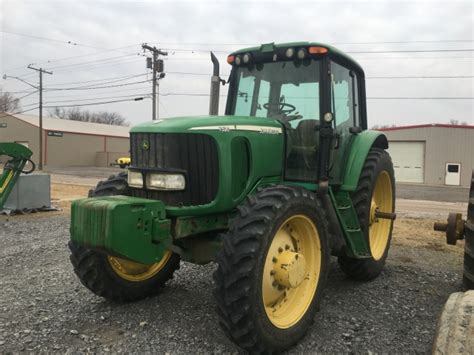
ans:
(344, 94)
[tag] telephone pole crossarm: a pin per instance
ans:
(156, 66)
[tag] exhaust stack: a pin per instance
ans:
(215, 87)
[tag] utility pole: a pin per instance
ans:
(157, 66)
(41, 71)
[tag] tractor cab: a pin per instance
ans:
(306, 87)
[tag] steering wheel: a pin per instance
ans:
(280, 106)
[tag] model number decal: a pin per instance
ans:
(251, 128)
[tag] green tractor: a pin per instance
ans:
(288, 177)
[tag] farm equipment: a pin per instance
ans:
(123, 162)
(455, 331)
(289, 176)
(456, 228)
(19, 156)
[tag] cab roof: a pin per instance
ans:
(333, 51)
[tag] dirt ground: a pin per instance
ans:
(44, 308)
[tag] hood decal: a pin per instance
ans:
(228, 128)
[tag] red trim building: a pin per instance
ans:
(433, 154)
(67, 143)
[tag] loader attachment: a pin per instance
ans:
(19, 156)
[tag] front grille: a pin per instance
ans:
(195, 154)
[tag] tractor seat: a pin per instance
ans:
(306, 135)
(303, 147)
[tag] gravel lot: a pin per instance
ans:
(44, 308)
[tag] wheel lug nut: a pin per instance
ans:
(280, 250)
(274, 259)
(273, 272)
(287, 247)
(274, 284)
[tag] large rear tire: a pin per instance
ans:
(468, 274)
(455, 330)
(375, 190)
(116, 278)
(272, 269)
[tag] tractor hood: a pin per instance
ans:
(225, 157)
(210, 123)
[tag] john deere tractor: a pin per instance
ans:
(289, 176)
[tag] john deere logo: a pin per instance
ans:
(145, 145)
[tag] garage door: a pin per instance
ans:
(408, 160)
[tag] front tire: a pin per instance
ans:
(115, 278)
(272, 269)
(375, 190)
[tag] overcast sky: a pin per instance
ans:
(105, 47)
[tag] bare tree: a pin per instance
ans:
(457, 122)
(76, 114)
(8, 102)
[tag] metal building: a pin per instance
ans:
(433, 154)
(67, 143)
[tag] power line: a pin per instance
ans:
(72, 43)
(96, 87)
(92, 61)
(31, 93)
(111, 92)
(93, 66)
(100, 66)
(19, 112)
(102, 79)
(79, 56)
(99, 83)
(98, 98)
(97, 103)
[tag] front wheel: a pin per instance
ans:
(119, 279)
(116, 278)
(272, 269)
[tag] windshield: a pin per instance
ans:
(288, 91)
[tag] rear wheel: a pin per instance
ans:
(375, 192)
(468, 274)
(455, 329)
(113, 277)
(272, 269)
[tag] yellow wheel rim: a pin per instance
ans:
(135, 272)
(291, 271)
(379, 229)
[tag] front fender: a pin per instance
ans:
(360, 147)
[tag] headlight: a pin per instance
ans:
(165, 181)
(135, 179)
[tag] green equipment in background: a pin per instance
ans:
(19, 156)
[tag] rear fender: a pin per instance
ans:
(360, 148)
